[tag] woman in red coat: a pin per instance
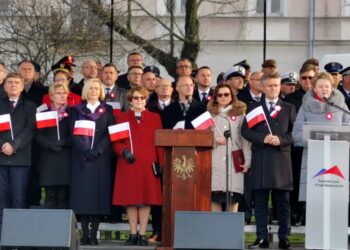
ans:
(136, 187)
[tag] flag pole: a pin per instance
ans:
(268, 125)
(93, 138)
(58, 127)
(132, 148)
(12, 137)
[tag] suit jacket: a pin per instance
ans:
(118, 94)
(23, 127)
(36, 93)
(246, 97)
(295, 98)
(173, 113)
(77, 88)
(271, 165)
(198, 98)
(347, 98)
(123, 82)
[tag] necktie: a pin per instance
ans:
(204, 98)
(12, 105)
(257, 98)
(183, 107)
(107, 91)
(272, 106)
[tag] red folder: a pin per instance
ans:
(238, 159)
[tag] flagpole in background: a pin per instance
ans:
(58, 127)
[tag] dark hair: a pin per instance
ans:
(311, 61)
(13, 75)
(134, 67)
(134, 54)
(306, 68)
(270, 75)
(200, 68)
(110, 65)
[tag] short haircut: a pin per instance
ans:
(88, 84)
(270, 75)
(26, 61)
(62, 71)
(306, 68)
(56, 86)
(203, 67)
(134, 67)
(183, 60)
(142, 90)
(110, 65)
(14, 75)
(311, 61)
(134, 54)
(325, 76)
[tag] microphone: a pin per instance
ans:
(227, 133)
(335, 105)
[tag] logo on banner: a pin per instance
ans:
(332, 171)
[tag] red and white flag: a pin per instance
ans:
(46, 119)
(5, 122)
(255, 116)
(119, 131)
(203, 121)
(84, 127)
(116, 107)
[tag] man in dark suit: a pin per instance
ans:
(185, 109)
(345, 87)
(133, 59)
(252, 93)
(162, 96)
(88, 70)
(203, 92)
(271, 160)
(15, 157)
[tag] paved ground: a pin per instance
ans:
(118, 245)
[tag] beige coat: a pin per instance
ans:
(236, 180)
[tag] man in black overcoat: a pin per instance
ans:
(271, 160)
(185, 108)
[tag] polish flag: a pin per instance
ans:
(203, 121)
(84, 127)
(119, 131)
(116, 107)
(5, 122)
(255, 116)
(46, 119)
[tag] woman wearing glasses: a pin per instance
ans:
(136, 185)
(228, 114)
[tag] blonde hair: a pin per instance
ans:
(56, 86)
(325, 76)
(88, 84)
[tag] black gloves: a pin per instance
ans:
(62, 143)
(157, 169)
(128, 156)
(91, 154)
(55, 148)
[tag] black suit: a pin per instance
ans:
(346, 96)
(271, 166)
(14, 169)
(123, 81)
(246, 97)
(198, 98)
(173, 113)
(36, 93)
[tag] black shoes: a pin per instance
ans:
(132, 240)
(259, 243)
(142, 241)
(284, 244)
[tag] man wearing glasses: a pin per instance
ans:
(133, 59)
(185, 109)
(134, 76)
(89, 71)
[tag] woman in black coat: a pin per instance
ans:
(54, 156)
(90, 190)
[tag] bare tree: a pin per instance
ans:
(41, 31)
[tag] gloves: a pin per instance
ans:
(128, 156)
(157, 169)
(91, 154)
(61, 143)
(55, 148)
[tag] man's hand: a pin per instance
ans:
(7, 149)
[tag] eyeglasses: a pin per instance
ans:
(164, 86)
(223, 95)
(184, 66)
(306, 78)
(255, 79)
(136, 98)
(135, 74)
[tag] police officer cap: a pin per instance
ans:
(345, 71)
(69, 60)
(244, 64)
(155, 70)
(289, 78)
(333, 67)
(235, 71)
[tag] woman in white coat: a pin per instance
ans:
(228, 114)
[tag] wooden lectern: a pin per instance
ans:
(187, 175)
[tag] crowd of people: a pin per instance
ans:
(93, 175)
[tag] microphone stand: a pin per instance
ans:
(336, 106)
(227, 135)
